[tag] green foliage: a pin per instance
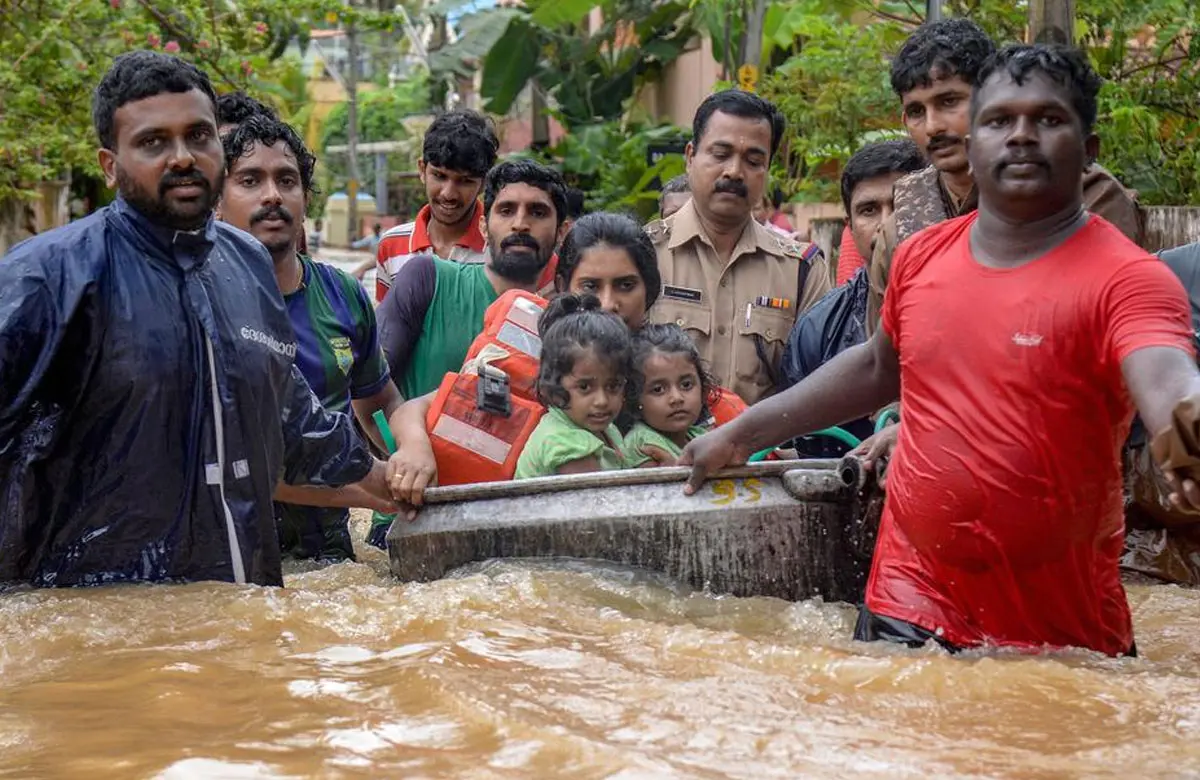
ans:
(54, 52)
(608, 161)
(835, 93)
(381, 113)
(400, 114)
(830, 104)
(1149, 55)
(591, 76)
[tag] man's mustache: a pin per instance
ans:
(732, 187)
(1027, 158)
(269, 212)
(185, 179)
(519, 239)
(943, 141)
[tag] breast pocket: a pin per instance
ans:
(692, 317)
(761, 342)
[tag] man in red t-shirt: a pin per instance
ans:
(1017, 338)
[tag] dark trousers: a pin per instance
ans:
(879, 628)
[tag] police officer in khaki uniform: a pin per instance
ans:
(733, 284)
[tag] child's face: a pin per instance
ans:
(596, 393)
(672, 396)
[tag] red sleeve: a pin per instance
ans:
(1144, 305)
(849, 260)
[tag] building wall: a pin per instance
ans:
(684, 85)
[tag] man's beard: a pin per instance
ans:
(520, 267)
(155, 206)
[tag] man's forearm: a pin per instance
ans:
(852, 385)
(408, 420)
(371, 493)
(1159, 379)
(303, 495)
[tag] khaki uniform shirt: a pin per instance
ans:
(921, 200)
(724, 307)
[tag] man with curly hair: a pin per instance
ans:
(267, 185)
(460, 147)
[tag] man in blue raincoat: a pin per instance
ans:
(149, 403)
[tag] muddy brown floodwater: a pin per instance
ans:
(519, 670)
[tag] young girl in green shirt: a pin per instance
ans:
(581, 381)
(670, 385)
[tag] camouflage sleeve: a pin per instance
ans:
(1106, 197)
(883, 246)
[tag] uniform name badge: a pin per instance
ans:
(682, 293)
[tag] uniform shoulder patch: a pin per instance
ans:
(659, 231)
(801, 250)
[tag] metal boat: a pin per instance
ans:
(788, 529)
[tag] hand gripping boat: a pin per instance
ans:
(788, 529)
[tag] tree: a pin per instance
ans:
(832, 107)
(834, 86)
(609, 162)
(54, 52)
(399, 114)
(590, 75)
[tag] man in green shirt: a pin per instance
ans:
(337, 345)
(435, 308)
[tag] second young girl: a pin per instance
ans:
(670, 388)
(581, 381)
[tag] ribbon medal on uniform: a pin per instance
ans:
(773, 303)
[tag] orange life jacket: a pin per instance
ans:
(478, 437)
(473, 442)
(724, 405)
(510, 341)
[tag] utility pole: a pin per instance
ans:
(352, 126)
(933, 10)
(1052, 21)
(752, 47)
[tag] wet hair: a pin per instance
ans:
(670, 339)
(138, 75)
(575, 203)
(939, 50)
(570, 325)
(233, 108)
(612, 230)
(899, 155)
(461, 140)
(677, 186)
(528, 172)
(263, 130)
(1068, 67)
(739, 103)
